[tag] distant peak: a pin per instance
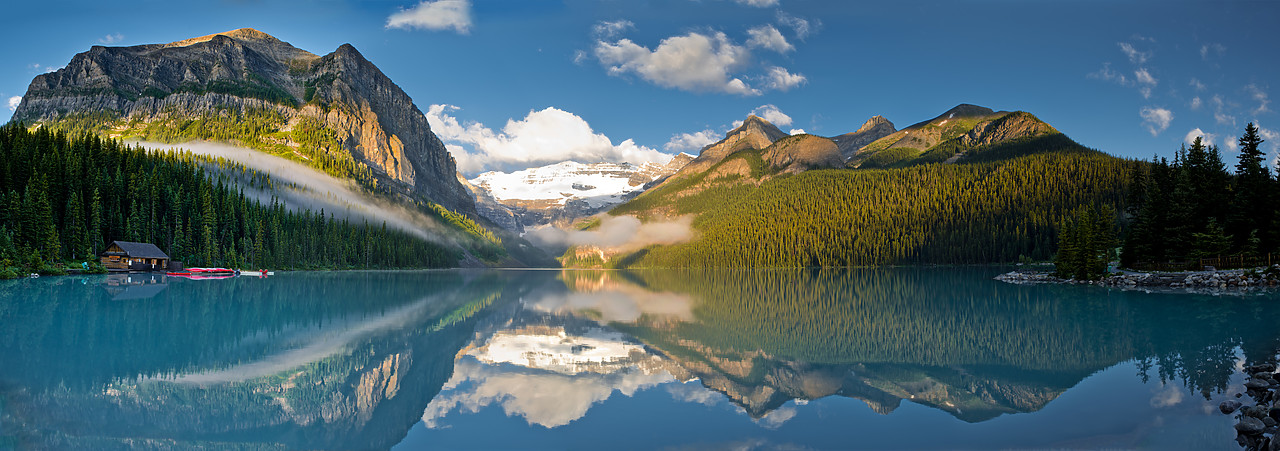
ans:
(874, 122)
(253, 38)
(967, 110)
(244, 34)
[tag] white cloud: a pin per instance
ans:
(1107, 74)
(772, 114)
(768, 37)
(1195, 83)
(757, 3)
(1260, 96)
(579, 56)
(437, 15)
(1271, 137)
(542, 137)
(611, 29)
(780, 80)
(14, 102)
(801, 27)
(1145, 82)
(1215, 48)
(1196, 103)
(1136, 56)
(1156, 119)
(111, 39)
(796, 131)
(691, 141)
(693, 62)
(1231, 145)
(1206, 138)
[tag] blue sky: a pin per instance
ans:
(510, 83)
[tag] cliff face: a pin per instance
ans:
(244, 73)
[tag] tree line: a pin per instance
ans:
(1193, 208)
(66, 197)
(986, 212)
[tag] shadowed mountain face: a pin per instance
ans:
(337, 111)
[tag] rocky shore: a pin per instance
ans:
(1256, 425)
(1236, 281)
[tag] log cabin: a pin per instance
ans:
(129, 256)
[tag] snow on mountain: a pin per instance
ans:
(598, 184)
(569, 189)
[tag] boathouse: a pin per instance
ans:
(129, 256)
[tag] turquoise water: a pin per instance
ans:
(895, 358)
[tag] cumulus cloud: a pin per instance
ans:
(610, 29)
(1271, 137)
(691, 141)
(1196, 103)
(14, 102)
(434, 15)
(779, 79)
(1206, 138)
(768, 37)
(796, 131)
(1156, 119)
(1231, 145)
(1260, 96)
(773, 115)
(801, 27)
(1136, 56)
(1212, 49)
(1195, 83)
(692, 62)
(111, 39)
(542, 137)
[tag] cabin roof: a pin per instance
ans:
(140, 250)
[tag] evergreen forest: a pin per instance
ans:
(983, 212)
(64, 198)
(1193, 208)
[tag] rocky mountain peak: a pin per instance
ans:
(966, 110)
(874, 128)
(376, 131)
(258, 41)
(875, 122)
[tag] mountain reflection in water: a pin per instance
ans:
(369, 360)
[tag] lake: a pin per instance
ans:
(887, 358)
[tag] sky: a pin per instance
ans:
(510, 84)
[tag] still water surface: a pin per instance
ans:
(896, 358)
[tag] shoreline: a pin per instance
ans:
(1232, 282)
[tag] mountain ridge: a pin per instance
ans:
(338, 112)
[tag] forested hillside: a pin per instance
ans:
(66, 197)
(982, 212)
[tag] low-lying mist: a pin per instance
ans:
(619, 233)
(302, 187)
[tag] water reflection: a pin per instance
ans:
(356, 360)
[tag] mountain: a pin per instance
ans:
(757, 202)
(562, 192)
(959, 133)
(875, 128)
(336, 112)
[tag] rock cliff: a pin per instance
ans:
(246, 76)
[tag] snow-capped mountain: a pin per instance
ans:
(567, 190)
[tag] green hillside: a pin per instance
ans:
(1003, 204)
